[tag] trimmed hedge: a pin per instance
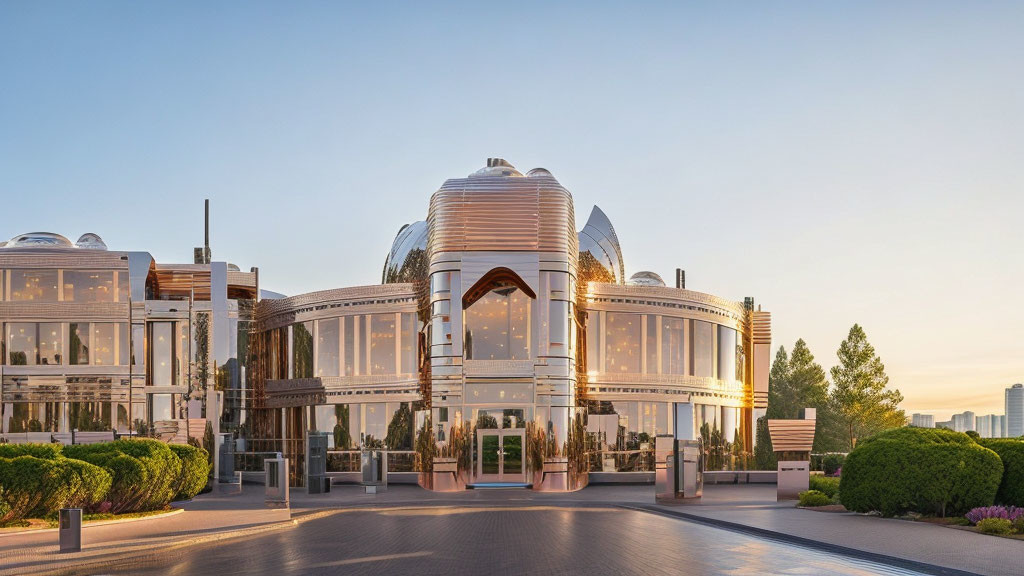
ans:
(931, 471)
(34, 487)
(813, 499)
(195, 471)
(145, 472)
(43, 451)
(1011, 452)
(828, 485)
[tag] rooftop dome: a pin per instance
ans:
(496, 167)
(90, 241)
(645, 278)
(600, 252)
(39, 240)
(407, 260)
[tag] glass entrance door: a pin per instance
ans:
(500, 455)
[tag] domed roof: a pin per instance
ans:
(90, 241)
(645, 278)
(496, 167)
(39, 240)
(406, 262)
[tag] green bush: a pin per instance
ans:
(827, 485)
(43, 451)
(831, 463)
(93, 483)
(812, 498)
(1011, 452)
(995, 526)
(145, 472)
(195, 471)
(37, 488)
(931, 471)
(1018, 525)
(22, 479)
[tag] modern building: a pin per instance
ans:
(502, 340)
(922, 421)
(964, 422)
(991, 426)
(97, 342)
(1015, 411)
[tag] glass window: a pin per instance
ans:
(138, 344)
(161, 407)
(51, 343)
(89, 416)
(34, 285)
(35, 417)
(409, 343)
(441, 282)
(89, 286)
(327, 348)
(498, 326)
(181, 359)
(703, 346)
(375, 424)
(673, 346)
(593, 342)
(78, 343)
(302, 350)
(122, 286)
(103, 344)
(22, 344)
(622, 343)
(651, 345)
(382, 344)
(350, 345)
(558, 323)
(400, 426)
(161, 352)
(726, 353)
(123, 344)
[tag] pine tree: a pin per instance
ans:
(778, 385)
(861, 404)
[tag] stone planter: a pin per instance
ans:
(554, 477)
(446, 476)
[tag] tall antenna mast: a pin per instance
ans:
(203, 255)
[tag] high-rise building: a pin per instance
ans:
(922, 421)
(990, 426)
(964, 422)
(1015, 411)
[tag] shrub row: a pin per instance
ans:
(134, 475)
(827, 485)
(1011, 452)
(931, 471)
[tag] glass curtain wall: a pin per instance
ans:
(497, 326)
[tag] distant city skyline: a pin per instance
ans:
(841, 164)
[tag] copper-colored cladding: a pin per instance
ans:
(791, 435)
(502, 213)
(761, 333)
(183, 280)
(496, 277)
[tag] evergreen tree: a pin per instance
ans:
(778, 385)
(861, 404)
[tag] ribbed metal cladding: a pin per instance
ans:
(533, 213)
(791, 435)
(761, 325)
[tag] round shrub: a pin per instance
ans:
(827, 485)
(22, 479)
(93, 483)
(195, 470)
(931, 471)
(43, 451)
(995, 526)
(812, 498)
(1011, 452)
(145, 472)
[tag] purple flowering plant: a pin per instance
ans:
(1010, 513)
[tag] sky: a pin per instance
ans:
(840, 162)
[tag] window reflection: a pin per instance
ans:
(651, 345)
(409, 343)
(22, 344)
(673, 346)
(161, 351)
(34, 417)
(34, 285)
(382, 344)
(51, 343)
(726, 353)
(703, 343)
(622, 343)
(327, 347)
(89, 416)
(302, 350)
(103, 344)
(78, 343)
(89, 286)
(498, 326)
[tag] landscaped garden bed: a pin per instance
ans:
(107, 480)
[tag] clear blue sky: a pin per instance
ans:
(841, 163)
